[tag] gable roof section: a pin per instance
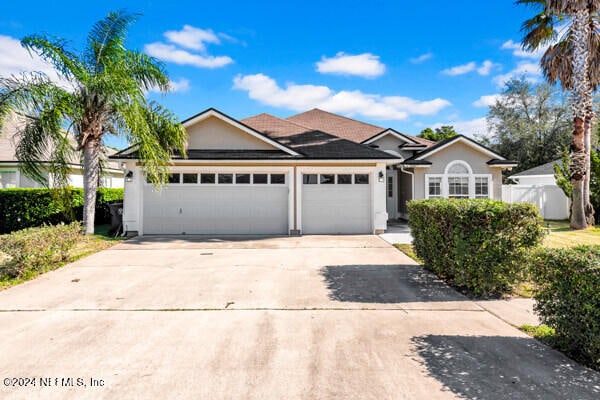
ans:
(212, 112)
(460, 138)
(544, 169)
(405, 138)
(312, 143)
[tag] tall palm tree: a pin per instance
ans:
(102, 92)
(574, 60)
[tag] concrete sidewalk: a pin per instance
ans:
(397, 232)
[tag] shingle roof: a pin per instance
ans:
(544, 169)
(312, 143)
(344, 127)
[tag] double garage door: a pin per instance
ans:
(257, 203)
(218, 203)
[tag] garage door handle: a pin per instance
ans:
(180, 211)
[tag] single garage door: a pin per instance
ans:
(217, 203)
(336, 203)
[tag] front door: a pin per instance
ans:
(391, 194)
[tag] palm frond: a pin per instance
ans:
(55, 51)
(107, 37)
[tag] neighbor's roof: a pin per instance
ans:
(9, 141)
(344, 127)
(544, 169)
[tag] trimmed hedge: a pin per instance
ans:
(568, 299)
(477, 245)
(37, 249)
(25, 208)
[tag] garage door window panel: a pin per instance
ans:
(327, 179)
(190, 178)
(344, 179)
(207, 179)
(260, 179)
(174, 178)
(361, 179)
(278, 179)
(242, 179)
(310, 179)
(225, 179)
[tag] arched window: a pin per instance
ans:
(458, 181)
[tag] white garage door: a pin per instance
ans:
(217, 203)
(336, 203)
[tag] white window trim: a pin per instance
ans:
(445, 187)
(17, 172)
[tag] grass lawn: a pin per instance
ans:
(86, 245)
(561, 236)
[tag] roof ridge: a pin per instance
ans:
(339, 116)
(279, 118)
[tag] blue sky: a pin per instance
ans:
(405, 65)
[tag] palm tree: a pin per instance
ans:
(574, 60)
(102, 92)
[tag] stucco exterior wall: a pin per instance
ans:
(390, 142)
(463, 152)
(214, 134)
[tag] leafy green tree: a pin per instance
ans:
(439, 134)
(103, 93)
(529, 123)
(573, 60)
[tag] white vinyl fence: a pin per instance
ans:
(549, 199)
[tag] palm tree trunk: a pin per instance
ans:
(589, 208)
(581, 104)
(91, 167)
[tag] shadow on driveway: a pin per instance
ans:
(386, 284)
(497, 367)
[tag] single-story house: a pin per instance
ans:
(311, 173)
(12, 177)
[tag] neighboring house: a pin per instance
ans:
(538, 186)
(312, 173)
(12, 177)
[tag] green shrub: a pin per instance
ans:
(476, 245)
(568, 299)
(37, 249)
(24, 208)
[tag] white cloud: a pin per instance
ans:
(14, 59)
(484, 69)
(189, 38)
(518, 51)
(366, 65)
(170, 53)
(487, 101)
(422, 58)
(180, 86)
(192, 38)
(470, 128)
(296, 97)
(460, 69)
(531, 71)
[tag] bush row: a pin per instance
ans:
(24, 208)
(477, 245)
(567, 298)
(37, 249)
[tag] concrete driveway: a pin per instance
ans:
(321, 317)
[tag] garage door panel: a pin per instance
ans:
(331, 209)
(216, 209)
